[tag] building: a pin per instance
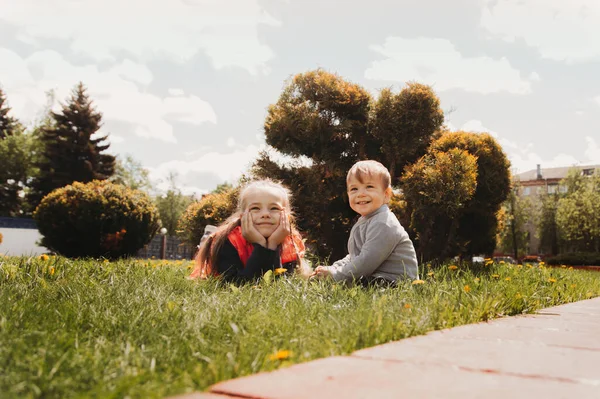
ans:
(540, 181)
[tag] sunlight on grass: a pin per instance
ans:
(138, 328)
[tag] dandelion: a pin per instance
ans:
(518, 295)
(452, 267)
(280, 270)
(467, 288)
(570, 268)
(476, 279)
(542, 264)
(280, 355)
(519, 266)
(501, 262)
(430, 274)
(495, 276)
(429, 265)
(407, 306)
(573, 285)
(44, 257)
(563, 266)
(418, 282)
(51, 270)
(552, 280)
(507, 279)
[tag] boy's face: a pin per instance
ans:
(366, 197)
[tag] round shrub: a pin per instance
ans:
(96, 219)
(211, 209)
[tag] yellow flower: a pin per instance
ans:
(407, 306)
(570, 268)
(518, 295)
(430, 274)
(280, 270)
(495, 276)
(51, 270)
(467, 288)
(552, 280)
(501, 262)
(429, 265)
(452, 267)
(44, 257)
(417, 282)
(507, 279)
(476, 279)
(563, 266)
(589, 295)
(488, 260)
(280, 355)
(573, 285)
(542, 263)
(519, 266)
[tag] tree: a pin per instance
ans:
(547, 229)
(8, 124)
(478, 222)
(514, 215)
(437, 187)
(334, 123)
(130, 172)
(172, 205)
(578, 213)
(70, 152)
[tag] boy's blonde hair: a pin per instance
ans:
(370, 168)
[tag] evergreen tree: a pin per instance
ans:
(8, 124)
(70, 152)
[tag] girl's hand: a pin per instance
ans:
(321, 272)
(282, 231)
(250, 233)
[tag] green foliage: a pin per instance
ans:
(97, 219)
(139, 329)
(171, 206)
(213, 209)
(478, 223)
(69, 152)
(16, 166)
(547, 229)
(8, 124)
(575, 259)
(437, 187)
(130, 173)
(333, 123)
(513, 217)
(578, 214)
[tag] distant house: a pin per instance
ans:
(20, 237)
(540, 181)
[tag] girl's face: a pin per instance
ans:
(265, 206)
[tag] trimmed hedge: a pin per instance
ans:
(575, 259)
(96, 219)
(212, 209)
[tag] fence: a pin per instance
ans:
(174, 248)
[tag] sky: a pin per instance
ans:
(184, 85)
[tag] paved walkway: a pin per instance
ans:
(552, 354)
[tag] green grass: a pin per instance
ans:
(140, 329)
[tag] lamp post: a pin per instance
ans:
(163, 243)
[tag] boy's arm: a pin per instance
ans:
(380, 243)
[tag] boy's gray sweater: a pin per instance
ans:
(379, 247)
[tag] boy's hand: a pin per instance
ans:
(282, 231)
(321, 272)
(250, 233)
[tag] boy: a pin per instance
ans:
(379, 247)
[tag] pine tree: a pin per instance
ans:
(70, 153)
(8, 125)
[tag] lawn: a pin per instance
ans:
(92, 328)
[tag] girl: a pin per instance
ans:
(258, 237)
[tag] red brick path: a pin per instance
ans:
(552, 354)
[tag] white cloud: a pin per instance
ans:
(534, 76)
(115, 139)
(227, 31)
(597, 99)
(230, 142)
(115, 92)
(176, 92)
(438, 63)
(592, 152)
(561, 30)
(521, 156)
(226, 166)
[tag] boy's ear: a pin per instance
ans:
(388, 193)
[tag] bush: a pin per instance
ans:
(211, 209)
(575, 259)
(96, 219)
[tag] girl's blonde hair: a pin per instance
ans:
(209, 250)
